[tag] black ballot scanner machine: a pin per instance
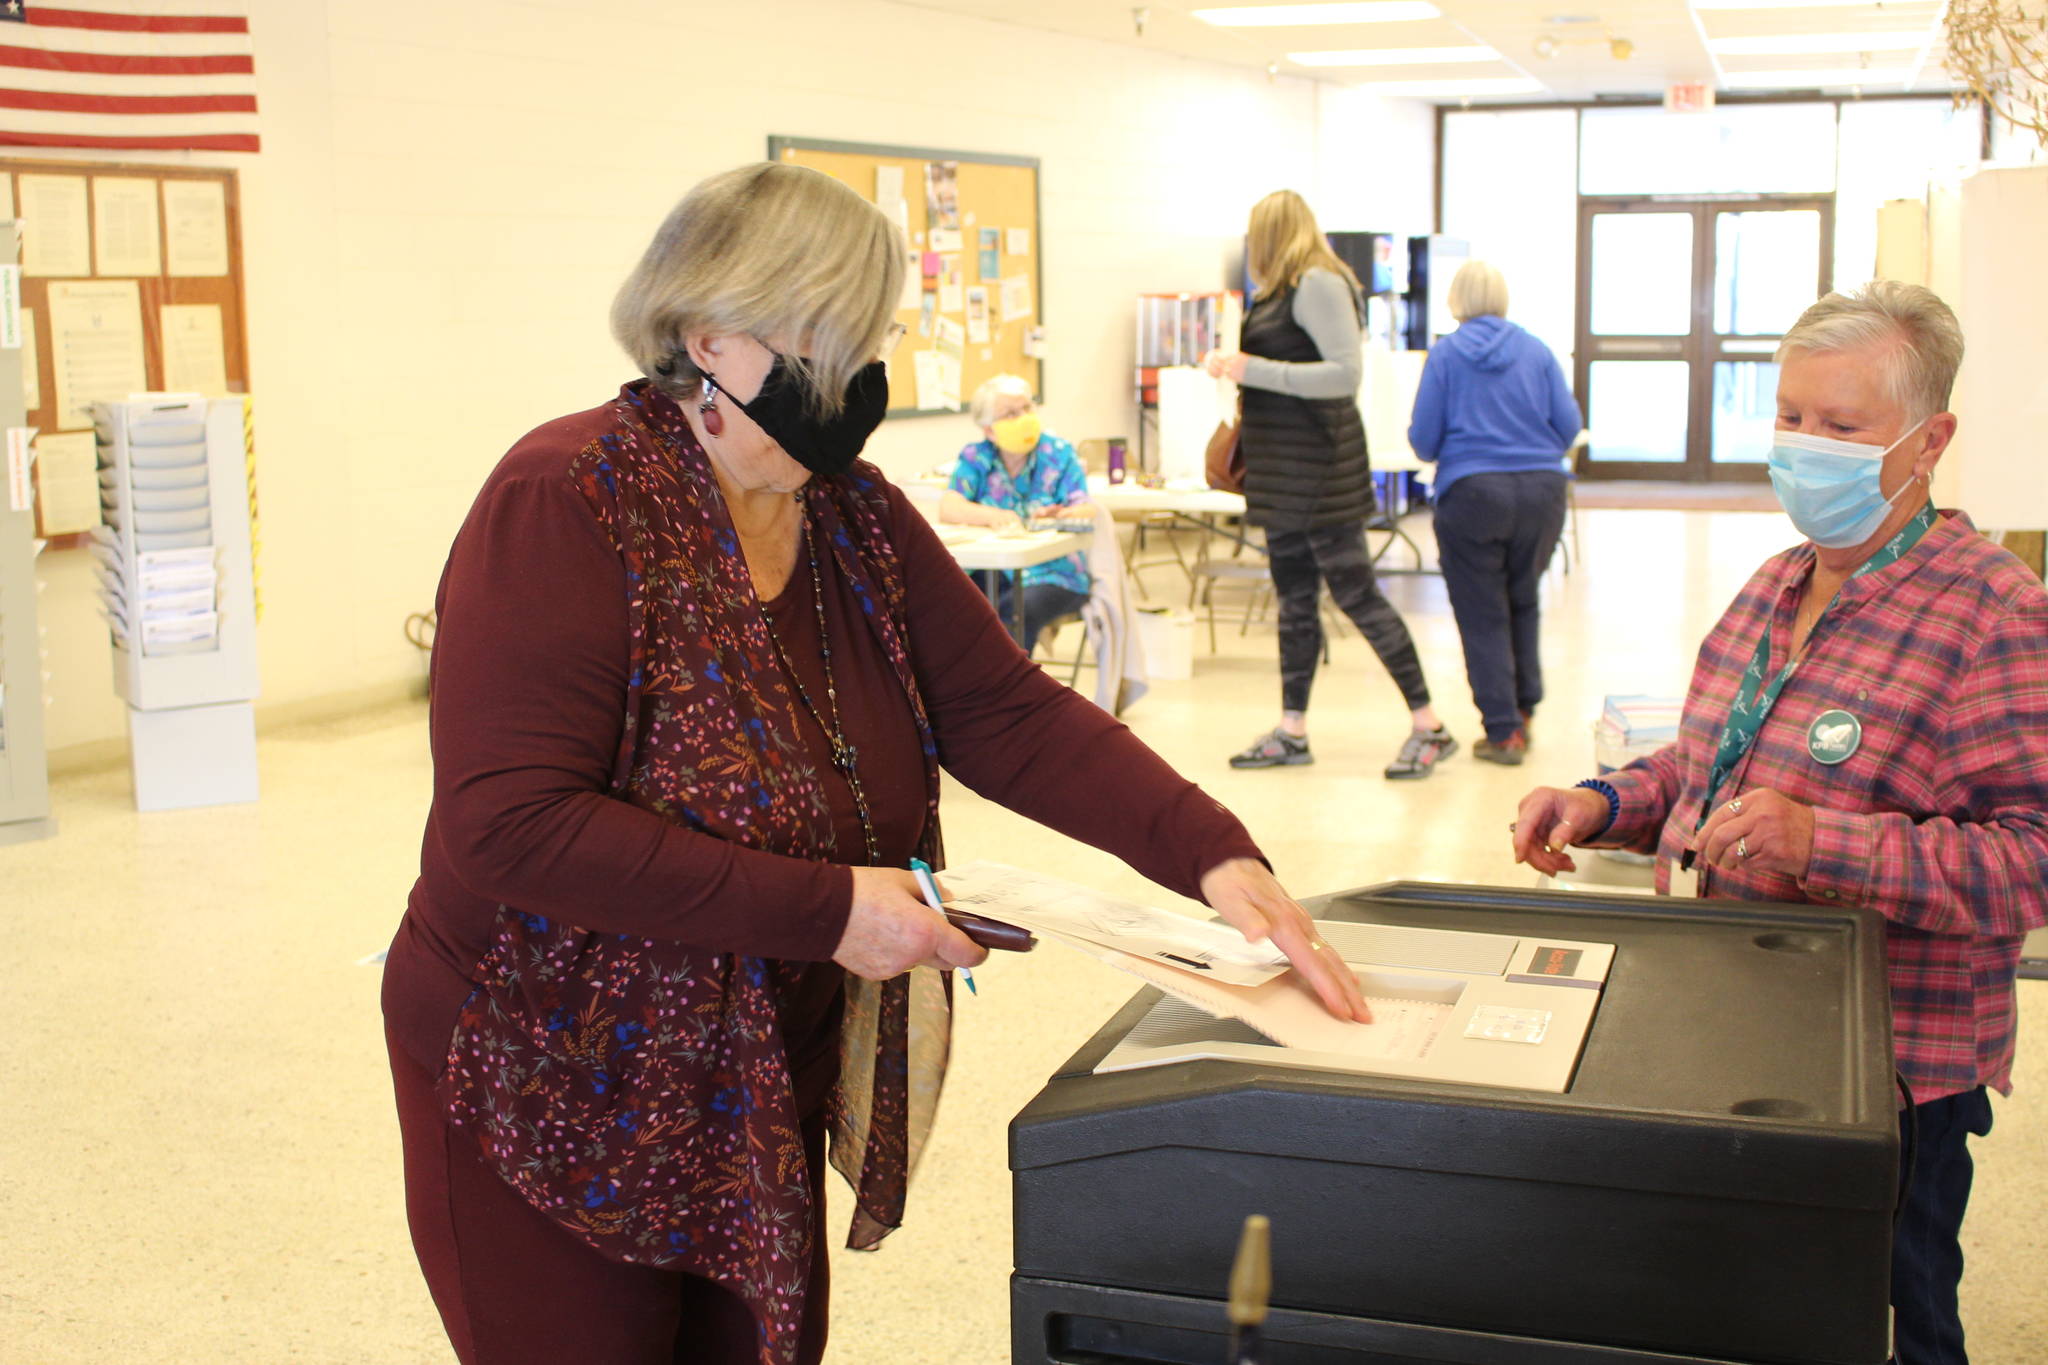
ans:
(1609, 1129)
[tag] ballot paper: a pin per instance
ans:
(1207, 964)
(1049, 905)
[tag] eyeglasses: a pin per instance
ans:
(891, 339)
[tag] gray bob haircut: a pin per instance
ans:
(1923, 342)
(982, 407)
(765, 250)
(1478, 291)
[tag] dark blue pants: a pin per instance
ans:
(1927, 1260)
(1043, 602)
(1494, 536)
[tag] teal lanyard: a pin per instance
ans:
(1753, 700)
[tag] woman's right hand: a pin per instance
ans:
(1549, 819)
(891, 929)
(1001, 518)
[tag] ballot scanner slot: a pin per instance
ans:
(1448, 1005)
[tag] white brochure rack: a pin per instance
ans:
(24, 772)
(179, 596)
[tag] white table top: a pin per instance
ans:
(977, 548)
(1131, 496)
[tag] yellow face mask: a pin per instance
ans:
(1016, 435)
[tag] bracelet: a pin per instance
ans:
(1607, 790)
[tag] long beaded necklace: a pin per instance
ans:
(844, 755)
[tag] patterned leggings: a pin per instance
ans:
(1302, 561)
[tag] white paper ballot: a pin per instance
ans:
(1050, 905)
(1164, 948)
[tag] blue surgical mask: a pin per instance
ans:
(1830, 488)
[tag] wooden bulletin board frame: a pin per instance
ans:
(155, 290)
(994, 191)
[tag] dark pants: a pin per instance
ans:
(1043, 602)
(1302, 562)
(514, 1288)
(1494, 535)
(1927, 1259)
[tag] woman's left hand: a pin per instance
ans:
(1761, 830)
(1225, 365)
(1252, 901)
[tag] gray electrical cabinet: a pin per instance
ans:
(1715, 1179)
(24, 770)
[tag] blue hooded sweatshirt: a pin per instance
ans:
(1492, 401)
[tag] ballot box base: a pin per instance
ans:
(1055, 1323)
(1717, 1181)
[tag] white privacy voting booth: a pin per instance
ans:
(177, 585)
(2000, 396)
(1977, 244)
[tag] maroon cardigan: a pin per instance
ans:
(530, 685)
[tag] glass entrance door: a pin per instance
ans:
(1681, 305)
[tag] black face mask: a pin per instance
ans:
(823, 445)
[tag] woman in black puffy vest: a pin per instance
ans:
(1306, 480)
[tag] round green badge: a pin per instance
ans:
(1833, 736)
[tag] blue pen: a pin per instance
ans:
(922, 870)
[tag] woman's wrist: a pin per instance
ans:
(1612, 805)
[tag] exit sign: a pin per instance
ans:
(1688, 97)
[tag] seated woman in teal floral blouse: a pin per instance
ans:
(1015, 473)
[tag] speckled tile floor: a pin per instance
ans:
(199, 1164)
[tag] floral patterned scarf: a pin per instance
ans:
(636, 1090)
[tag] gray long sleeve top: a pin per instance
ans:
(1324, 308)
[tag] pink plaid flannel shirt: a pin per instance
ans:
(1939, 819)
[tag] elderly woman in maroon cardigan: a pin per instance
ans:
(697, 671)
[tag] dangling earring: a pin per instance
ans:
(707, 411)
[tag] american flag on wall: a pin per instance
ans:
(127, 73)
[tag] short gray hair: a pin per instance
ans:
(765, 250)
(983, 405)
(1923, 341)
(1478, 291)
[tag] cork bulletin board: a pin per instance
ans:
(131, 281)
(971, 306)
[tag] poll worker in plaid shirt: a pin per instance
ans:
(1901, 765)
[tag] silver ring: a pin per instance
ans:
(1735, 806)
(1742, 847)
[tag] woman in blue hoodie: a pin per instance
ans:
(1493, 411)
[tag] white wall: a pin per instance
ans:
(450, 191)
(1375, 162)
(1511, 189)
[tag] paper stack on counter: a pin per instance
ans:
(1632, 727)
(1208, 964)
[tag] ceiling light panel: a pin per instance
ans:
(1817, 78)
(1302, 16)
(1454, 89)
(1924, 10)
(1812, 44)
(1395, 56)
